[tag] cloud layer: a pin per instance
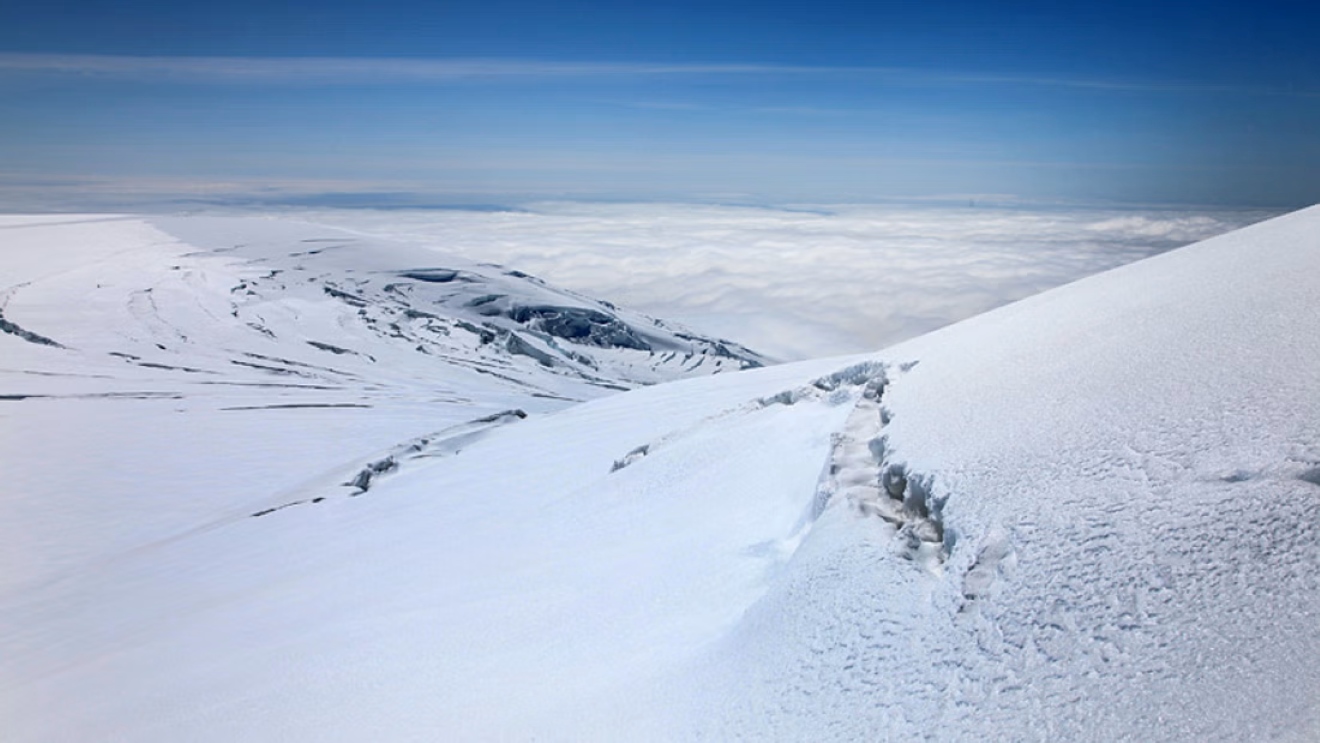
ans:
(798, 284)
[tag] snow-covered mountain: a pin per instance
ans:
(1093, 514)
(167, 369)
(224, 291)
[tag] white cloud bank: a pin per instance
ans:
(798, 284)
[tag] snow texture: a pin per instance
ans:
(1090, 515)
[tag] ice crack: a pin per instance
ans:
(27, 335)
(861, 470)
(448, 442)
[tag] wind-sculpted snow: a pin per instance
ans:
(1119, 468)
(1090, 515)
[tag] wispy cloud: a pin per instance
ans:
(805, 111)
(369, 70)
(669, 106)
(355, 69)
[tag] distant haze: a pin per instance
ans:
(804, 282)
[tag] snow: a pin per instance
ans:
(1092, 514)
(1121, 467)
(194, 379)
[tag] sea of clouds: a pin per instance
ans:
(800, 283)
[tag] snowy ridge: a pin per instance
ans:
(309, 303)
(858, 467)
(1090, 515)
(464, 313)
(1115, 568)
(325, 346)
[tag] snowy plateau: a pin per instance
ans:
(263, 479)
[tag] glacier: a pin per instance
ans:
(239, 505)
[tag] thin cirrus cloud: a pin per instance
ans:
(802, 283)
(386, 70)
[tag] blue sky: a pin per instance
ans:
(1177, 102)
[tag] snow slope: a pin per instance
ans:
(154, 373)
(1090, 515)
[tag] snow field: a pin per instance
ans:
(1090, 515)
